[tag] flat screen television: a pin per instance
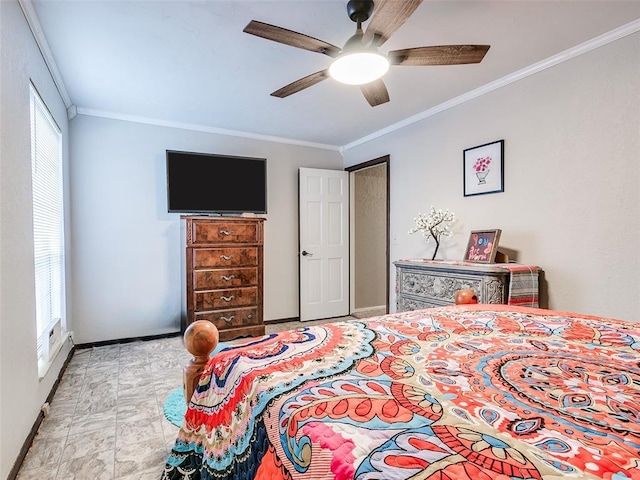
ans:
(210, 183)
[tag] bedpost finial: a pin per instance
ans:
(201, 338)
(465, 297)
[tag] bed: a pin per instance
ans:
(462, 392)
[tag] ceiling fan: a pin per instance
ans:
(358, 62)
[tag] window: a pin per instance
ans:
(48, 226)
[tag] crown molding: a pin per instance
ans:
(597, 42)
(202, 128)
(73, 110)
(43, 45)
(38, 34)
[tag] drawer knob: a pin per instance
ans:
(227, 278)
(226, 233)
(228, 319)
(226, 257)
(227, 299)
(250, 316)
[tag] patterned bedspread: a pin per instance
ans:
(470, 392)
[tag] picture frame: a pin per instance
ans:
(482, 246)
(483, 169)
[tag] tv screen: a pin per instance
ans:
(208, 183)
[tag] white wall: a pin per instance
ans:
(127, 248)
(572, 175)
(21, 394)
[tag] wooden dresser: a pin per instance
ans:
(224, 274)
(432, 283)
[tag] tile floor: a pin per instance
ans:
(106, 422)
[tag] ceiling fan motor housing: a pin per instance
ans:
(360, 10)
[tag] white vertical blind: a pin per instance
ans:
(48, 218)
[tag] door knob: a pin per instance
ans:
(306, 254)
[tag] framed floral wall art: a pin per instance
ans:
(483, 169)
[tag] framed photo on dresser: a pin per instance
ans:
(482, 246)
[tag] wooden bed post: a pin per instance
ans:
(200, 339)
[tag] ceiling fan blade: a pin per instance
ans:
(301, 84)
(375, 92)
(387, 18)
(289, 37)
(439, 55)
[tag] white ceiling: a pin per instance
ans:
(189, 63)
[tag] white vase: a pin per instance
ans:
(481, 176)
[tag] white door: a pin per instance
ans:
(324, 243)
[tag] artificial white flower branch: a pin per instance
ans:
(434, 224)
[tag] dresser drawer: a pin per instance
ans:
(204, 233)
(223, 299)
(436, 288)
(225, 278)
(224, 257)
(223, 319)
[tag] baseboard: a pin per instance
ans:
(117, 341)
(365, 309)
(282, 320)
(13, 474)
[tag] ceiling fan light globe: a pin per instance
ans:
(358, 68)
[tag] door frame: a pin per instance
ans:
(386, 159)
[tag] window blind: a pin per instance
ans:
(48, 219)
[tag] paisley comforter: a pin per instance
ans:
(469, 392)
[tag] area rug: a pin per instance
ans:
(175, 407)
